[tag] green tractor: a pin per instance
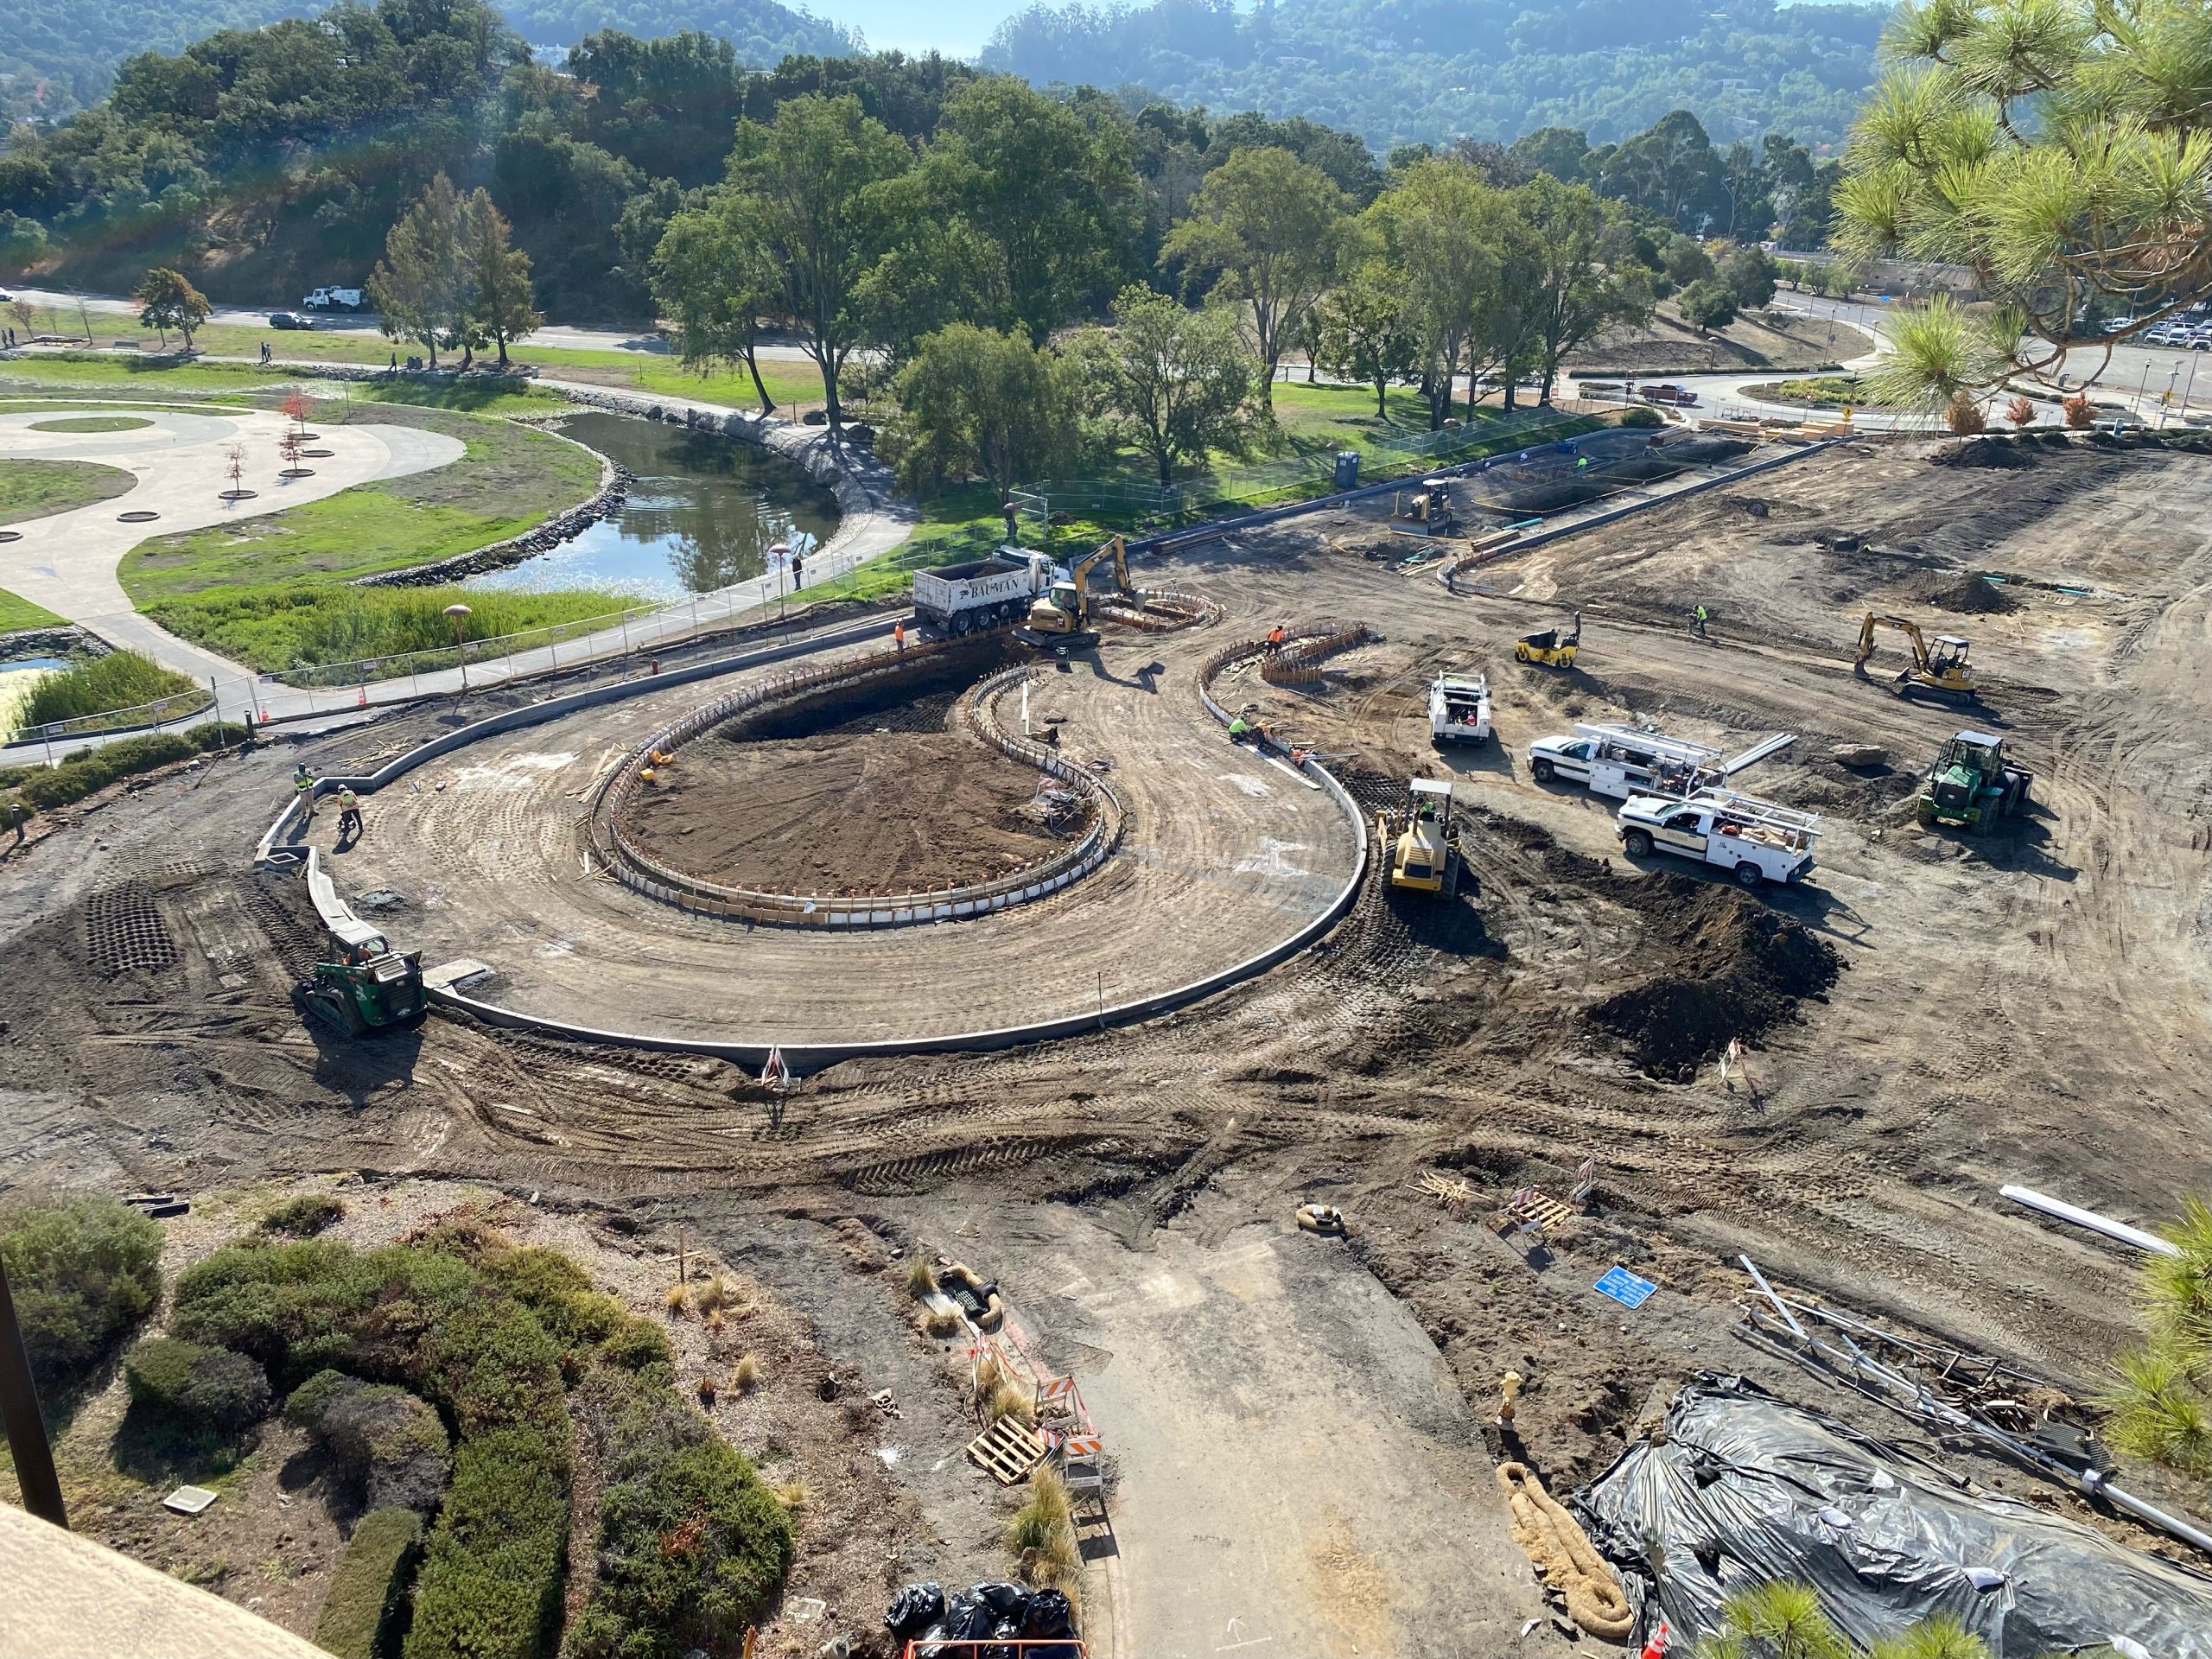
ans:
(1970, 786)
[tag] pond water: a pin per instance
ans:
(702, 514)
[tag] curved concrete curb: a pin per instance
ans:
(808, 1058)
(640, 873)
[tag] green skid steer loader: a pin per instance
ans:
(360, 985)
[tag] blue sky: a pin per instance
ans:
(955, 28)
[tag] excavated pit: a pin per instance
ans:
(879, 789)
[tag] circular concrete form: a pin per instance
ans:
(1227, 861)
(11, 534)
(296, 471)
(935, 819)
(240, 495)
(316, 455)
(140, 517)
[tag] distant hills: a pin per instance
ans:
(1403, 71)
(57, 57)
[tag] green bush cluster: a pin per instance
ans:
(196, 1386)
(578, 1317)
(82, 1271)
(691, 1545)
(1642, 417)
(45, 788)
(100, 686)
(305, 1216)
(389, 1444)
(368, 1591)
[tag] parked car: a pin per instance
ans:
(288, 320)
(1679, 397)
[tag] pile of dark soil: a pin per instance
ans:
(1726, 967)
(1968, 595)
(1984, 452)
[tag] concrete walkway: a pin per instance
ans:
(873, 521)
(68, 562)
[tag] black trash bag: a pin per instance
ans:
(915, 1607)
(934, 1633)
(967, 1618)
(1049, 1615)
(1005, 1600)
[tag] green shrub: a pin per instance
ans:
(305, 1216)
(82, 1270)
(369, 1589)
(388, 1445)
(87, 770)
(691, 1547)
(1643, 415)
(199, 1387)
(100, 686)
(491, 1581)
(574, 1314)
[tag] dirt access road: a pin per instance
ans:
(2023, 1008)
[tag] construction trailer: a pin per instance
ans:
(1972, 786)
(1755, 841)
(1459, 709)
(1624, 760)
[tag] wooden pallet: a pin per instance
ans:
(1539, 1210)
(1455, 1195)
(1008, 1451)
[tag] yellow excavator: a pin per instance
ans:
(1939, 666)
(1424, 856)
(1060, 622)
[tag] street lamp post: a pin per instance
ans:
(458, 615)
(780, 553)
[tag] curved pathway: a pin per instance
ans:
(1226, 857)
(68, 562)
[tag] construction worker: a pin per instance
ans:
(349, 813)
(899, 634)
(18, 816)
(1275, 638)
(303, 788)
(1012, 515)
(1239, 729)
(1700, 621)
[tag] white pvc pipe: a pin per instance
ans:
(2090, 1219)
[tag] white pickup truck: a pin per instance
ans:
(334, 299)
(1459, 709)
(1625, 760)
(983, 593)
(1756, 840)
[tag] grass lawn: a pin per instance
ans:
(93, 423)
(1831, 389)
(18, 614)
(510, 478)
(85, 369)
(33, 489)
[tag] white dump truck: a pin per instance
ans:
(1756, 840)
(984, 593)
(334, 299)
(1625, 760)
(1459, 709)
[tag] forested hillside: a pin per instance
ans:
(1400, 70)
(62, 58)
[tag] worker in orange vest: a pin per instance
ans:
(899, 634)
(1274, 638)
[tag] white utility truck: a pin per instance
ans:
(1459, 709)
(1625, 760)
(334, 299)
(1756, 840)
(984, 593)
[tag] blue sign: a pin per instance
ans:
(1625, 1287)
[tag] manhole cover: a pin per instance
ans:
(124, 932)
(140, 517)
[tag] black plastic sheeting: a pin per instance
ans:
(1744, 1490)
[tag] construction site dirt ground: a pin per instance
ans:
(1930, 1016)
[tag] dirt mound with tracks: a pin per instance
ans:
(1724, 966)
(883, 813)
(1967, 595)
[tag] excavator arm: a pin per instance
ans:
(1904, 625)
